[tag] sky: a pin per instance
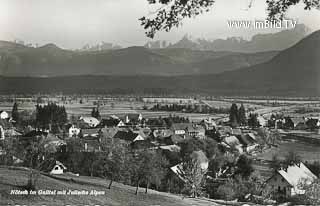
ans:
(71, 24)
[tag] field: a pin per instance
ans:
(119, 195)
(307, 151)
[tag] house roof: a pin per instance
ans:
(126, 135)
(224, 130)
(296, 173)
(111, 122)
(232, 140)
(92, 131)
(171, 148)
(245, 140)
(236, 131)
(195, 128)
(143, 144)
(90, 120)
(162, 133)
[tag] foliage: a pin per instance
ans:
(51, 115)
(253, 120)
(111, 163)
(190, 108)
(234, 115)
(172, 12)
(15, 113)
(193, 176)
(238, 187)
(95, 113)
(244, 166)
(242, 119)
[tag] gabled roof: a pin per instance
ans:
(236, 131)
(92, 131)
(111, 122)
(126, 135)
(90, 120)
(246, 139)
(296, 173)
(143, 144)
(231, 140)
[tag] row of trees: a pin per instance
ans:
(189, 108)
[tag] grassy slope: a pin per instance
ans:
(119, 195)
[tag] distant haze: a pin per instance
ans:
(73, 23)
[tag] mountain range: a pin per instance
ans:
(50, 60)
(292, 72)
(258, 43)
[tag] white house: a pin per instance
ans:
(58, 168)
(4, 115)
(289, 181)
(91, 121)
(262, 121)
(73, 131)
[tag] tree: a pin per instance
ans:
(233, 115)
(112, 163)
(50, 116)
(242, 116)
(193, 176)
(253, 120)
(95, 113)
(244, 166)
(172, 12)
(15, 113)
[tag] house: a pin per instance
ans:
(248, 142)
(262, 121)
(58, 168)
(142, 144)
(224, 131)
(91, 144)
(288, 181)
(233, 142)
(4, 115)
(112, 122)
(73, 131)
(53, 142)
(162, 133)
(179, 128)
(236, 131)
(90, 121)
(128, 136)
(196, 131)
(171, 148)
(134, 117)
(92, 132)
(209, 124)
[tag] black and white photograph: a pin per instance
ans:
(159, 102)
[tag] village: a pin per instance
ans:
(205, 156)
